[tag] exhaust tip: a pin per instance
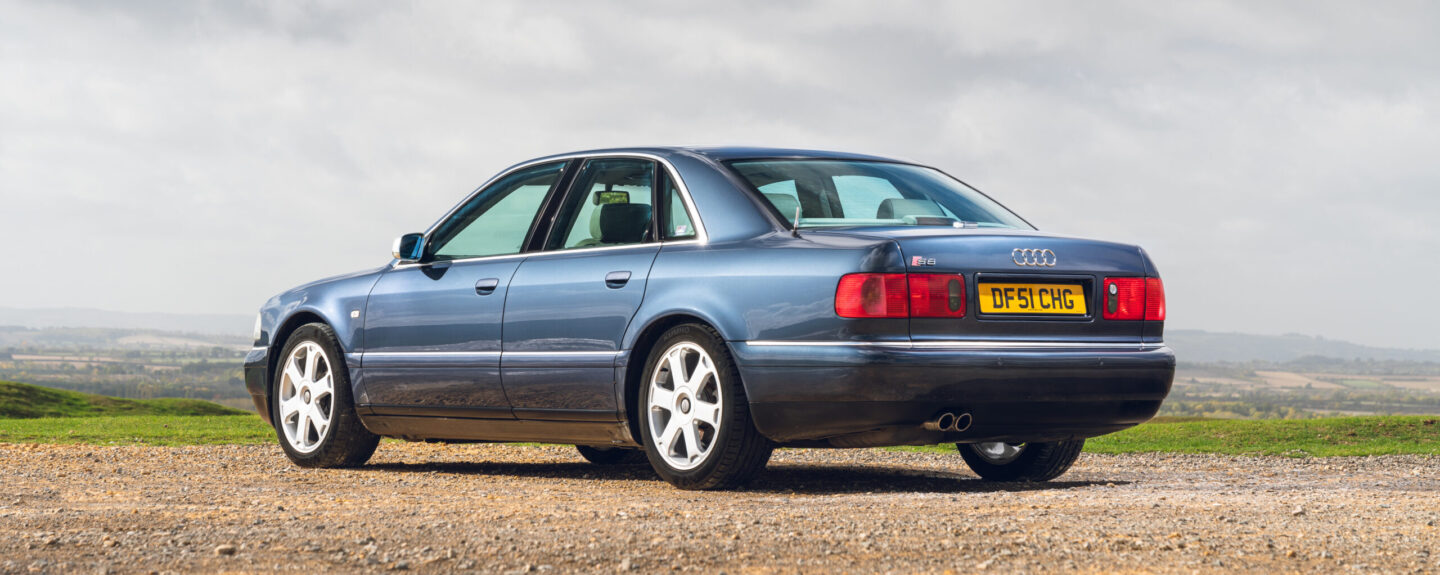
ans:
(962, 422)
(943, 422)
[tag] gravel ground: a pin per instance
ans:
(496, 508)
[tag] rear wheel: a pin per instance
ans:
(611, 455)
(694, 417)
(311, 403)
(999, 461)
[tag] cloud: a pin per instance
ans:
(1276, 160)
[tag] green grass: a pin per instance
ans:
(1362, 384)
(1340, 436)
(19, 400)
(139, 430)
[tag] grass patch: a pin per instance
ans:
(140, 430)
(1362, 384)
(1340, 436)
(19, 400)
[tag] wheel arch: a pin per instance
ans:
(643, 342)
(281, 337)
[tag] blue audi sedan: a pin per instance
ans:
(699, 307)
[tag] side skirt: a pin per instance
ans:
(500, 430)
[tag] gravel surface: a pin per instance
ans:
(497, 508)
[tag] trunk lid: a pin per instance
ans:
(1018, 283)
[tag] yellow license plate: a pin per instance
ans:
(1047, 299)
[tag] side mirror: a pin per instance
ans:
(409, 248)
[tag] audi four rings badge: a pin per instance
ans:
(1029, 257)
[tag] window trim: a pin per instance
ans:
(661, 201)
(567, 171)
(702, 236)
(551, 226)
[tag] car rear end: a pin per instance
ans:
(1013, 336)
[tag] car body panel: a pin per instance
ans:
(432, 336)
(564, 321)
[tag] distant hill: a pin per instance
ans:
(219, 324)
(23, 401)
(1203, 346)
(16, 337)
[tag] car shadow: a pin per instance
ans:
(775, 479)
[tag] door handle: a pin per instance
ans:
(617, 280)
(486, 286)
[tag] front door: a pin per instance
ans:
(433, 330)
(569, 306)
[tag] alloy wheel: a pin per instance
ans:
(685, 406)
(998, 452)
(306, 397)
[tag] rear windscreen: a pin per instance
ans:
(859, 193)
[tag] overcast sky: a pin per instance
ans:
(1281, 161)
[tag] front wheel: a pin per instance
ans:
(311, 403)
(999, 461)
(694, 417)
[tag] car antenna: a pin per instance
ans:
(795, 226)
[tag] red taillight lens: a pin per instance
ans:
(1133, 299)
(937, 295)
(1154, 299)
(871, 295)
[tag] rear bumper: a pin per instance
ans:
(257, 370)
(880, 394)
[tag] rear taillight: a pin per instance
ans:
(871, 295)
(937, 295)
(900, 295)
(1133, 299)
(1154, 299)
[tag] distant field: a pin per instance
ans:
(19, 400)
(1348, 436)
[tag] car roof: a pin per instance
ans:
(728, 153)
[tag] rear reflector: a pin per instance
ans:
(1133, 299)
(871, 295)
(937, 295)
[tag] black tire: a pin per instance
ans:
(737, 450)
(1036, 462)
(346, 442)
(611, 455)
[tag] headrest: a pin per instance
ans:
(898, 208)
(624, 223)
(786, 203)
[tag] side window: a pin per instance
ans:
(675, 222)
(609, 205)
(496, 221)
(861, 196)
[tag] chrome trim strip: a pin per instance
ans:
(264, 348)
(572, 353)
(474, 354)
(964, 344)
(485, 354)
(701, 235)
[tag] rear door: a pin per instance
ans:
(568, 307)
(433, 330)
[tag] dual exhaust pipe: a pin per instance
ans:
(950, 422)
